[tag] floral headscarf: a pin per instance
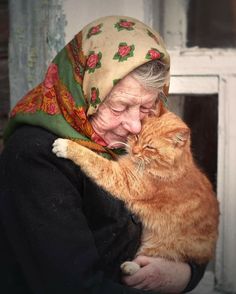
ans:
(83, 73)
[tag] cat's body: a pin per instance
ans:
(159, 182)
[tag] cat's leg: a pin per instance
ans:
(106, 173)
(60, 147)
(129, 268)
(82, 156)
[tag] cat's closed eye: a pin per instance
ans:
(150, 147)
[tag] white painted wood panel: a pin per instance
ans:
(197, 61)
(226, 250)
(199, 72)
(195, 85)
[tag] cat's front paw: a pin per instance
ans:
(129, 268)
(60, 147)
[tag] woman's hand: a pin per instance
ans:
(159, 274)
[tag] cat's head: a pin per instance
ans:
(161, 143)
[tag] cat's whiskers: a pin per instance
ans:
(133, 175)
(147, 160)
(140, 165)
(119, 142)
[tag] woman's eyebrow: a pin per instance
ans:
(132, 99)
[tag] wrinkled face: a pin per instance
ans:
(122, 112)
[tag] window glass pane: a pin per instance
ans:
(211, 23)
(201, 115)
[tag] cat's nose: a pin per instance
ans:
(136, 149)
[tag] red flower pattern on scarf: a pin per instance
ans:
(153, 53)
(95, 29)
(126, 24)
(124, 50)
(92, 60)
(51, 76)
(123, 24)
(93, 95)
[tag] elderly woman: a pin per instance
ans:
(60, 233)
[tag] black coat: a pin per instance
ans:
(59, 232)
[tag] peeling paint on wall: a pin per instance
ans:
(56, 24)
(37, 33)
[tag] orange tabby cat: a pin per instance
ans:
(159, 181)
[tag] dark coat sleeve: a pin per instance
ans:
(43, 220)
(197, 272)
(42, 217)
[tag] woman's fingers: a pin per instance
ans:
(144, 276)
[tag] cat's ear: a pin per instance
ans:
(180, 136)
(158, 109)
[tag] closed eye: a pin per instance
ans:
(150, 147)
(145, 110)
(117, 111)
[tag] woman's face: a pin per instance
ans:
(122, 111)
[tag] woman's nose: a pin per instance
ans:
(133, 125)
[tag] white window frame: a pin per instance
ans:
(201, 71)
